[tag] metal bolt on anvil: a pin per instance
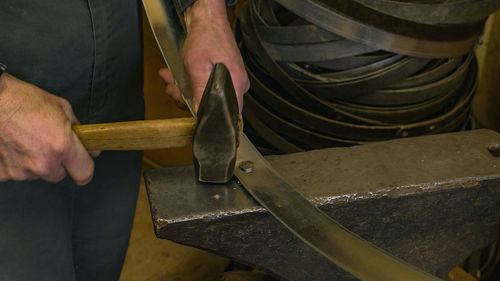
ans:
(246, 166)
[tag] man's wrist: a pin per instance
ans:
(182, 5)
(206, 11)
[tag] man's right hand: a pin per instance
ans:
(36, 137)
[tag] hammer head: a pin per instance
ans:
(218, 126)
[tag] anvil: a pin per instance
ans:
(430, 201)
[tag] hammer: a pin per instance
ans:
(214, 133)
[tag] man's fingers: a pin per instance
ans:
(166, 75)
(66, 106)
(94, 153)
(172, 89)
(56, 175)
(199, 81)
(240, 82)
(78, 163)
(175, 93)
(67, 109)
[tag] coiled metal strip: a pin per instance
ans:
(446, 12)
(367, 26)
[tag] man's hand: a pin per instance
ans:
(36, 138)
(209, 41)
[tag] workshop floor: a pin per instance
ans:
(152, 259)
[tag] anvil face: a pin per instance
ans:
(428, 200)
(176, 196)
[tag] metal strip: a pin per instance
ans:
(268, 134)
(363, 132)
(436, 42)
(345, 64)
(439, 70)
(294, 90)
(316, 51)
(170, 35)
(322, 233)
(296, 34)
(293, 132)
(397, 96)
(449, 12)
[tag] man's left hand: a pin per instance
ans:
(209, 41)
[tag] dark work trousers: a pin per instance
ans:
(88, 52)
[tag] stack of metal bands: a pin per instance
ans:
(329, 73)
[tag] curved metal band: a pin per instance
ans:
(364, 70)
(305, 98)
(352, 62)
(439, 70)
(307, 138)
(448, 12)
(362, 132)
(269, 135)
(403, 114)
(398, 96)
(297, 34)
(360, 85)
(317, 51)
(454, 41)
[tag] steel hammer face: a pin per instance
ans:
(216, 135)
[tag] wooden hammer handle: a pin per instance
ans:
(137, 135)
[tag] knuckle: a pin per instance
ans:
(40, 167)
(197, 63)
(56, 177)
(188, 60)
(91, 168)
(59, 145)
(86, 177)
(16, 174)
(242, 86)
(65, 105)
(245, 85)
(240, 72)
(3, 176)
(171, 89)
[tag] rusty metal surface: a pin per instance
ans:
(428, 200)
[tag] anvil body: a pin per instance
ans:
(429, 200)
